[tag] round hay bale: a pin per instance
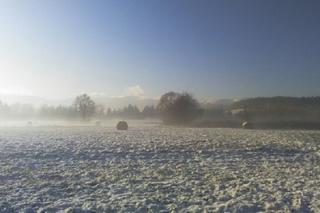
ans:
(246, 125)
(122, 125)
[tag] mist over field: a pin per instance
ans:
(159, 106)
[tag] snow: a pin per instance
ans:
(158, 168)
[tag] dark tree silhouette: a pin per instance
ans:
(85, 106)
(280, 108)
(149, 112)
(176, 108)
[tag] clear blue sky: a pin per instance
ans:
(214, 49)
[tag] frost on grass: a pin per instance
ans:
(156, 169)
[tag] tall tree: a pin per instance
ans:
(176, 108)
(85, 106)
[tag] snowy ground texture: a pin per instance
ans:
(158, 169)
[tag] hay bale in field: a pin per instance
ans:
(246, 125)
(122, 125)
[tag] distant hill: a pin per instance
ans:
(280, 108)
(265, 103)
(22, 99)
(218, 104)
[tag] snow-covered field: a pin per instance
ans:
(158, 169)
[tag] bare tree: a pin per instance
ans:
(85, 106)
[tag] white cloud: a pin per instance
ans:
(135, 91)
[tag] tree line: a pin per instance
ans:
(83, 108)
(173, 108)
(180, 109)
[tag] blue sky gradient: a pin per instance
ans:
(214, 49)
